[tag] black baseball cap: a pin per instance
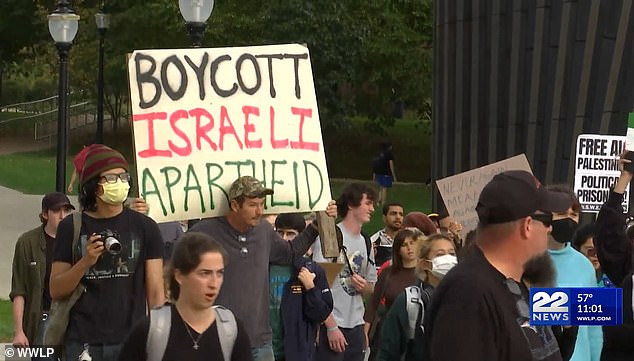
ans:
(516, 194)
(54, 201)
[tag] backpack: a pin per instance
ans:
(59, 313)
(417, 299)
(368, 247)
(160, 323)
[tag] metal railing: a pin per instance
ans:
(42, 114)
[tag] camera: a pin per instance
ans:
(110, 240)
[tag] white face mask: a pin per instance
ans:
(115, 193)
(442, 264)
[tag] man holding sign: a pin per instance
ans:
(252, 245)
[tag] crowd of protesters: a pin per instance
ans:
(243, 286)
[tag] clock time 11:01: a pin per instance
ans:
(590, 308)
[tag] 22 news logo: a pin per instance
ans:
(550, 307)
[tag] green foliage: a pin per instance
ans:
(369, 57)
(6, 321)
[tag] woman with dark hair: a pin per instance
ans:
(583, 242)
(196, 328)
(393, 279)
(402, 340)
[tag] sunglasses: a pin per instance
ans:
(520, 301)
(112, 178)
(546, 219)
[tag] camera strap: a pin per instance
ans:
(76, 229)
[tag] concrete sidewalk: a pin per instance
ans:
(18, 214)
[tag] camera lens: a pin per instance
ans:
(112, 245)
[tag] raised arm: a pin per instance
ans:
(614, 250)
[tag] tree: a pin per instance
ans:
(20, 28)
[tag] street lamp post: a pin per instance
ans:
(196, 13)
(62, 24)
(103, 21)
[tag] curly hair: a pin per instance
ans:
(351, 196)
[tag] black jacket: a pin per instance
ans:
(614, 250)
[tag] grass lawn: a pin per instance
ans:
(31, 172)
(6, 321)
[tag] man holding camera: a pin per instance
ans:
(118, 258)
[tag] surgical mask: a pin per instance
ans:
(115, 193)
(442, 264)
(564, 230)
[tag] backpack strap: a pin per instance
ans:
(227, 330)
(159, 332)
(414, 309)
(368, 248)
(417, 299)
(76, 230)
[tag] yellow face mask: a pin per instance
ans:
(115, 193)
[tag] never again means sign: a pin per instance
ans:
(204, 117)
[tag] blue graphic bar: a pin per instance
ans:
(592, 306)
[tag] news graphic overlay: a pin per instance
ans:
(591, 306)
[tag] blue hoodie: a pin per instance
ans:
(303, 311)
(575, 270)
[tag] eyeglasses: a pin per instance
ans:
(244, 251)
(520, 301)
(546, 219)
(112, 178)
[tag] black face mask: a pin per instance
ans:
(564, 230)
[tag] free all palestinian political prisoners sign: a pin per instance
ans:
(204, 117)
(597, 169)
(460, 192)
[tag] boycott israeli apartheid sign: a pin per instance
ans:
(597, 169)
(204, 117)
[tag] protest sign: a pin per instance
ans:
(597, 169)
(460, 192)
(204, 117)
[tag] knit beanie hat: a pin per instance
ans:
(421, 221)
(100, 159)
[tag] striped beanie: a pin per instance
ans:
(99, 159)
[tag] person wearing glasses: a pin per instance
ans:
(480, 312)
(118, 258)
(252, 245)
(584, 243)
(572, 269)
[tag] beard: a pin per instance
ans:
(539, 271)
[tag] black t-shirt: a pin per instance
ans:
(115, 294)
(180, 345)
(50, 250)
(384, 163)
(473, 309)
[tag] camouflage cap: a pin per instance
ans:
(249, 187)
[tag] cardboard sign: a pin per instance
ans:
(204, 117)
(597, 169)
(460, 192)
